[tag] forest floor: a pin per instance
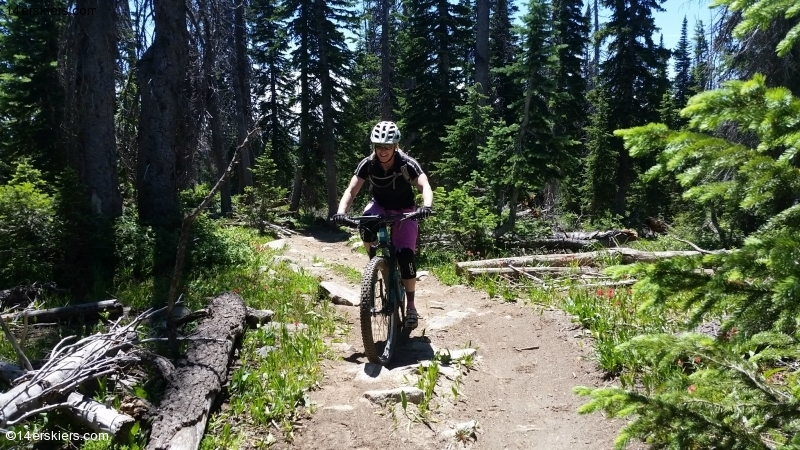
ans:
(516, 394)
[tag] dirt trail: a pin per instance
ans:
(521, 397)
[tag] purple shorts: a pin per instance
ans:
(404, 234)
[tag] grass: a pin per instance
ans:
(267, 394)
(347, 272)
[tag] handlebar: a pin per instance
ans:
(354, 221)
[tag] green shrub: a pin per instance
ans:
(28, 227)
(135, 245)
(462, 222)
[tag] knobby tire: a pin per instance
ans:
(378, 348)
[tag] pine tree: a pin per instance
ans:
(473, 123)
(31, 96)
(502, 48)
(633, 79)
(571, 41)
(272, 76)
(318, 31)
(683, 67)
(701, 64)
(601, 164)
(432, 46)
(528, 153)
(738, 389)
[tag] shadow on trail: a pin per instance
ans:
(326, 234)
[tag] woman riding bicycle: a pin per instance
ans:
(391, 173)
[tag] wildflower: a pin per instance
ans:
(478, 253)
(235, 290)
(697, 359)
(599, 292)
(691, 388)
(680, 363)
(610, 293)
(630, 291)
(469, 252)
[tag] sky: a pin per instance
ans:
(670, 21)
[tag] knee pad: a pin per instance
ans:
(407, 263)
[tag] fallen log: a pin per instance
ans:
(98, 416)
(543, 270)
(199, 377)
(113, 307)
(609, 238)
(627, 256)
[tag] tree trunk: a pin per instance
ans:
(163, 116)
(210, 56)
(482, 48)
(199, 377)
(241, 90)
(627, 256)
(96, 160)
(326, 86)
(387, 112)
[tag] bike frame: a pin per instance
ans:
(386, 247)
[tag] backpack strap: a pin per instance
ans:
(390, 179)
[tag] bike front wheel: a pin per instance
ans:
(380, 321)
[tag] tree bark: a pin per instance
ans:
(96, 160)
(163, 115)
(627, 256)
(199, 377)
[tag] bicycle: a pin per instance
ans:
(383, 305)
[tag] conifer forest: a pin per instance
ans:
(150, 148)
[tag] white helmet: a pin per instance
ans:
(385, 133)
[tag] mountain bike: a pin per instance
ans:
(383, 300)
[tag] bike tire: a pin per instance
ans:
(379, 327)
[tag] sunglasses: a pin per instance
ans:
(384, 147)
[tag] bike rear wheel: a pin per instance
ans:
(380, 321)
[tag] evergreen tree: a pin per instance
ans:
(701, 64)
(633, 79)
(318, 32)
(431, 60)
(31, 95)
(571, 41)
(528, 153)
(502, 48)
(738, 389)
(601, 163)
(473, 124)
(683, 67)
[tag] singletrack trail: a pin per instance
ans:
(518, 391)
